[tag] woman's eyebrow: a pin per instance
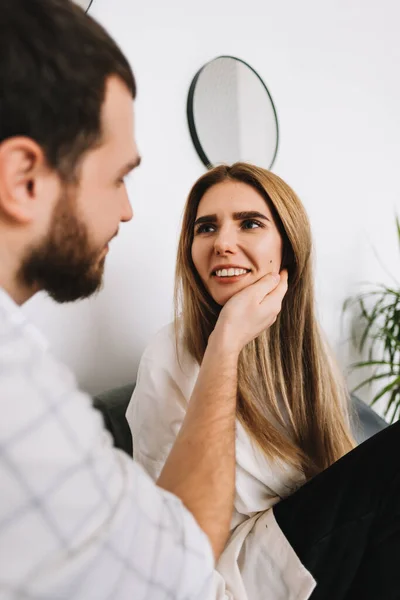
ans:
(249, 214)
(206, 219)
(238, 216)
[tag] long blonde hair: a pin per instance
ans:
(291, 397)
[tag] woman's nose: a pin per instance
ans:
(225, 243)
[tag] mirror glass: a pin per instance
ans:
(85, 4)
(231, 114)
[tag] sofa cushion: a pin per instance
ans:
(113, 405)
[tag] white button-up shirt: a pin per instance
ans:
(78, 518)
(258, 562)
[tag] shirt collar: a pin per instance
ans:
(15, 315)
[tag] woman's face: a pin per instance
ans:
(236, 241)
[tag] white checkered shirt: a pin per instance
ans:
(79, 520)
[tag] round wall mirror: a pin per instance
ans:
(85, 4)
(231, 114)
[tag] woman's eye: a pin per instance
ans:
(251, 224)
(206, 228)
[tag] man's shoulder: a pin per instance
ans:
(20, 342)
(34, 385)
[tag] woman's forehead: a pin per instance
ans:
(231, 197)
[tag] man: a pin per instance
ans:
(78, 519)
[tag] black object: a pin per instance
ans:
(344, 524)
(113, 404)
(82, 2)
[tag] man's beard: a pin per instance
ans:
(64, 263)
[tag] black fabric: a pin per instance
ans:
(344, 525)
(113, 405)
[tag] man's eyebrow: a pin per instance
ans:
(238, 216)
(132, 164)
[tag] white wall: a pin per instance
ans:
(332, 70)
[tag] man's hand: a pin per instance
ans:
(252, 310)
(201, 466)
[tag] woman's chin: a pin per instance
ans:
(222, 299)
(223, 293)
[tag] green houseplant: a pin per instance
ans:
(378, 338)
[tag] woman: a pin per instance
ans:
(240, 223)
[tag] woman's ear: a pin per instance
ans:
(22, 171)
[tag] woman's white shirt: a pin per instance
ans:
(258, 562)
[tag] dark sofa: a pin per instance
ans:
(113, 405)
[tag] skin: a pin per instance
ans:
(201, 466)
(33, 198)
(42, 218)
(227, 233)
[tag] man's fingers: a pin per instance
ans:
(242, 314)
(264, 286)
(272, 285)
(273, 300)
(278, 292)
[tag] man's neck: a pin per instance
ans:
(10, 266)
(19, 293)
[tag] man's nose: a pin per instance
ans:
(127, 211)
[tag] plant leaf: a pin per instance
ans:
(392, 401)
(383, 391)
(370, 380)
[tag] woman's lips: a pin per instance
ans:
(229, 279)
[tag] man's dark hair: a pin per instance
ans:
(54, 64)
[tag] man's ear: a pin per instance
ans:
(24, 177)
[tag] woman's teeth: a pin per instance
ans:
(230, 272)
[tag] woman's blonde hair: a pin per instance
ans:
(291, 398)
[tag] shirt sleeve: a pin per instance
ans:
(155, 415)
(79, 520)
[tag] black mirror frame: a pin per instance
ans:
(190, 116)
